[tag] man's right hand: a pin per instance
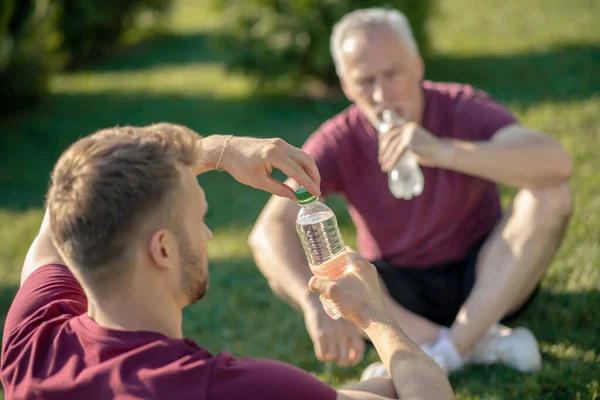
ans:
(356, 295)
(337, 341)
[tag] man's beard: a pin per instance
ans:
(194, 280)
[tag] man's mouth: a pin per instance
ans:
(397, 110)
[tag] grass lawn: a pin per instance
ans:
(541, 58)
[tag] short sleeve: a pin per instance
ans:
(480, 116)
(237, 379)
(323, 148)
(50, 291)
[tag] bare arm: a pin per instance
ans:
(515, 156)
(251, 161)
(41, 252)
(383, 387)
(414, 375)
(358, 298)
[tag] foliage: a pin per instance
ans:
(288, 40)
(92, 29)
(27, 45)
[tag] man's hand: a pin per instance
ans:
(251, 161)
(409, 136)
(356, 295)
(336, 341)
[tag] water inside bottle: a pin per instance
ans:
(324, 249)
(323, 244)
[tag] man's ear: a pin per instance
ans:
(420, 67)
(346, 89)
(163, 248)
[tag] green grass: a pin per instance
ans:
(541, 58)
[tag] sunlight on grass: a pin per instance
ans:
(510, 27)
(229, 242)
(563, 350)
(187, 79)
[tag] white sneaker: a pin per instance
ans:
(375, 370)
(516, 348)
(437, 357)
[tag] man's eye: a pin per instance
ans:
(393, 73)
(366, 81)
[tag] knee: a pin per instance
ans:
(276, 288)
(549, 206)
(280, 293)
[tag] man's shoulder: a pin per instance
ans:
(459, 93)
(50, 295)
(465, 102)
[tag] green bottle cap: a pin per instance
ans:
(304, 197)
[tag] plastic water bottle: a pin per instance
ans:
(406, 179)
(322, 241)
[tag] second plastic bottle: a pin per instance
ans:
(406, 179)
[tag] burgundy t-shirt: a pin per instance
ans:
(51, 349)
(455, 210)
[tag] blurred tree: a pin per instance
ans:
(93, 28)
(28, 42)
(37, 37)
(288, 40)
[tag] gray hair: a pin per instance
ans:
(370, 17)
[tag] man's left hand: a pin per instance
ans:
(251, 161)
(409, 136)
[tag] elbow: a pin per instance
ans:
(254, 239)
(258, 238)
(565, 168)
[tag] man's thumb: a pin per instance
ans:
(320, 285)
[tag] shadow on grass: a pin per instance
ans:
(559, 73)
(165, 49)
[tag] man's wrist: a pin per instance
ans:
(213, 148)
(310, 301)
(445, 154)
(373, 319)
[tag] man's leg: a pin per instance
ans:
(513, 261)
(419, 329)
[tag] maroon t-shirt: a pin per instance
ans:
(455, 210)
(51, 349)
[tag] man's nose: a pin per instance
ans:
(381, 93)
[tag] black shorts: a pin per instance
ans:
(437, 292)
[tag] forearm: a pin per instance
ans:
(42, 251)
(212, 149)
(383, 387)
(414, 374)
(528, 163)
